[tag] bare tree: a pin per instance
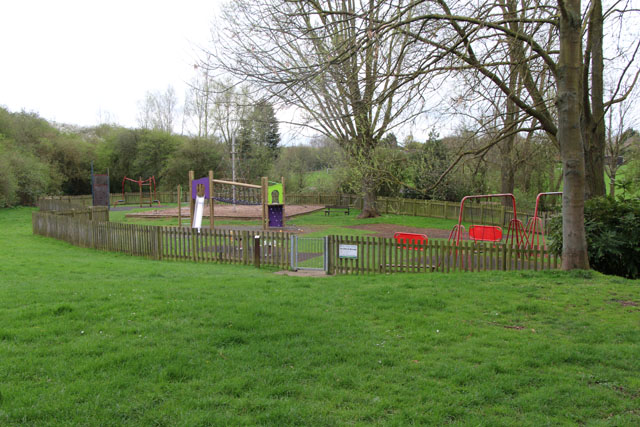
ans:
(620, 135)
(331, 63)
(158, 110)
(229, 106)
(198, 103)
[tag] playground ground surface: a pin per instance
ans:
(224, 211)
(308, 220)
(98, 338)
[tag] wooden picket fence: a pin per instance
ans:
(381, 255)
(90, 227)
(91, 213)
(63, 203)
(224, 246)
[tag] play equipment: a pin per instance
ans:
(197, 215)
(489, 233)
(410, 239)
(535, 228)
(146, 197)
(485, 233)
(269, 195)
(100, 189)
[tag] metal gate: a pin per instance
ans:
(309, 253)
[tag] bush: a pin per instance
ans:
(613, 236)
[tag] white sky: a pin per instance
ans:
(80, 62)
(84, 62)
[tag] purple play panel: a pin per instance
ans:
(194, 187)
(275, 215)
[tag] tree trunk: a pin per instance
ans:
(574, 244)
(612, 185)
(594, 124)
(369, 209)
(507, 172)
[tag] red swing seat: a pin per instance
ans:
(485, 233)
(410, 238)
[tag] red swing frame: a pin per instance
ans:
(490, 233)
(151, 182)
(534, 228)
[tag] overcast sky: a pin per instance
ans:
(86, 62)
(81, 62)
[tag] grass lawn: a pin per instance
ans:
(96, 338)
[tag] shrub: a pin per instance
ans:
(613, 236)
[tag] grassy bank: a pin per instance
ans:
(104, 339)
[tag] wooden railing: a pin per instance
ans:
(63, 203)
(95, 213)
(226, 246)
(360, 255)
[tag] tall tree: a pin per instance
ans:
(574, 242)
(265, 126)
(330, 61)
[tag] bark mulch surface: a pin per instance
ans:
(227, 211)
(388, 230)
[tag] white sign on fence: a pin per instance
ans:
(348, 251)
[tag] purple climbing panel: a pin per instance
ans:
(275, 215)
(194, 187)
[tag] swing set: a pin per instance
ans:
(488, 233)
(535, 228)
(146, 197)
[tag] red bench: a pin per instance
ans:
(485, 233)
(411, 238)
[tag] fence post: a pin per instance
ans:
(245, 247)
(158, 243)
(293, 252)
(504, 256)
(329, 254)
(256, 251)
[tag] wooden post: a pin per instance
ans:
(283, 202)
(158, 248)
(191, 201)
(211, 199)
(256, 251)
(265, 202)
(179, 206)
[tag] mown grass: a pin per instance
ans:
(97, 338)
